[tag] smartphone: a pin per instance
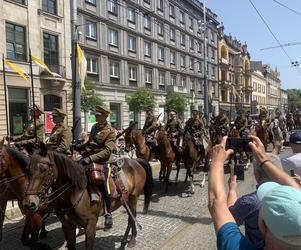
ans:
(239, 144)
(239, 171)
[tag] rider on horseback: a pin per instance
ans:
(219, 126)
(99, 149)
(241, 122)
(174, 130)
(281, 122)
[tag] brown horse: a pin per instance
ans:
(67, 179)
(134, 139)
(262, 133)
(167, 157)
(13, 181)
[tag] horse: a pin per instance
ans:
(167, 157)
(13, 177)
(276, 133)
(262, 133)
(66, 181)
(134, 139)
(192, 158)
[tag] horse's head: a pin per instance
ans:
(42, 174)
(129, 141)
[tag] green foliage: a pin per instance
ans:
(90, 97)
(176, 101)
(294, 99)
(141, 99)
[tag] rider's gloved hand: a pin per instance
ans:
(85, 161)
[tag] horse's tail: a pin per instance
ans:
(148, 186)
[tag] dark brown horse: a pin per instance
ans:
(68, 182)
(167, 157)
(262, 132)
(135, 140)
(13, 181)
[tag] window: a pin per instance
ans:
(91, 30)
(182, 61)
(161, 54)
(148, 75)
(161, 29)
(51, 55)
(92, 65)
(182, 17)
(93, 2)
(132, 73)
(200, 67)
(112, 6)
(212, 70)
(191, 43)
(212, 36)
(200, 47)
(183, 81)
(147, 49)
(191, 23)
(114, 69)
(15, 42)
(161, 78)
(113, 37)
(160, 5)
(147, 1)
(172, 57)
(173, 80)
(182, 39)
(147, 22)
(172, 10)
(49, 6)
(212, 53)
(20, 1)
(191, 63)
(131, 15)
(172, 34)
(132, 43)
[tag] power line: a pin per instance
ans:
(285, 6)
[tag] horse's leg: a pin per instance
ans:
(70, 235)
(3, 203)
(26, 231)
(90, 233)
(125, 236)
(178, 168)
(36, 222)
(132, 242)
(44, 232)
(168, 171)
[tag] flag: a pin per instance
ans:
(82, 65)
(14, 67)
(44, 66)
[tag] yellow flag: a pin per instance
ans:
(44, 66)
(82, 66)
(14, 67)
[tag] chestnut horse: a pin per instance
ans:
(13, 181)
(167, 157)
(49, 170)
(262, 133)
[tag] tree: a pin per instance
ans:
(294, 99)
(141, 99)
(176, 101)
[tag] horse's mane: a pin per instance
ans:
(20, 158)
(71, 169)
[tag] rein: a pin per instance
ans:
(9, 180)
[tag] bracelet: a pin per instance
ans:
(261, 164)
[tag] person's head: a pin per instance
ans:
(172, 114)
(260, 175)
(295, 142)
(280, 216)
(195, 112)
(240, 113)
(37, 109)
(101, 113)
(149, 111)
(58, 115)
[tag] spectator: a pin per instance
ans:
(294, 162)
(280, 215)
(245, 209)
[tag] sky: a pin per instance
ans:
(241, 21)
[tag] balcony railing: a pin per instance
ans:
(58, 69)
(178, 89)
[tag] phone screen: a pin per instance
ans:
(239, 144)
(239, 171)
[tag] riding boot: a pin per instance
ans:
(108, 216)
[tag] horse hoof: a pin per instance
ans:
(132, 243)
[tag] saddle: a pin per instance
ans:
(116, 183)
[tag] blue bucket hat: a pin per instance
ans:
(281, 209)
(295, 138)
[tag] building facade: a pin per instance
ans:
(283, 101)
(259, 90)
(44, 27)
(153, 44)
(234, 74)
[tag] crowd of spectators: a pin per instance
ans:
(271, 214)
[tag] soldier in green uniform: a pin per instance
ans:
(173, 128)
(99, 149)
(61, 135)
(28, 136)
(241, 122)
(150, 124)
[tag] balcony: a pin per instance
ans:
(58, 69)
(178, 89)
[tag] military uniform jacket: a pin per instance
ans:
(28, 136)
(61, 138)
(173, 126)
(101, 143)
(150, 125)
(194, 126)
(282, 122)
(241, 123)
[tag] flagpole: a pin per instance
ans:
(6, 106)
(33, 101)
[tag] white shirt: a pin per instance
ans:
(292, 162)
